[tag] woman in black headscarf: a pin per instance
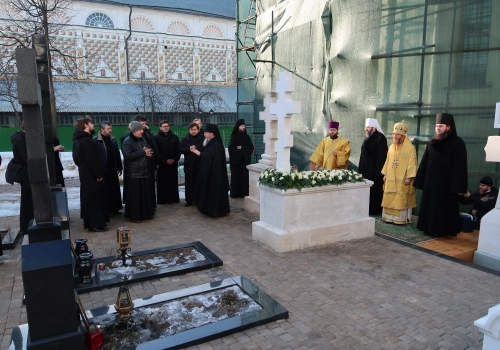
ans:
(240, 153)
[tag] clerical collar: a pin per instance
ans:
(334, 137)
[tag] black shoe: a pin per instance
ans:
(98, 229)
(135, 221)
(188, 204)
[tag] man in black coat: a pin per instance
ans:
(167, 180)
(137, 156)
(213, 197)
(149, 138)
(111, 163)
(94, 209)
(20, 156)
(240, 152)
(442, 175)
(192, 141)
(483, 201)
(372, 160)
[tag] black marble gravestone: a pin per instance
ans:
(47, 267)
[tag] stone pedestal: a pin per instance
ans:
(490, 326)
(251, 203)
(293, 220)
(488, 247)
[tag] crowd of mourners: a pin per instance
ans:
(149, 165)
(150, 172)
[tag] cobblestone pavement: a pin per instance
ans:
(364, 294)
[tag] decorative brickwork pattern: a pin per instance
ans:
(141, 51)
(178, 54)
(212, 58)
(96, 49)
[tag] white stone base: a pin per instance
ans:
(251, 203)
(285, 241)
(294, 220)
(488, 247)
(490, 326)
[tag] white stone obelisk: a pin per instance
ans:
(488, 248)
(284, 108)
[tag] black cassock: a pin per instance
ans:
(373, 155)
(214, 185)
(94, 208)
(111, 163)
(442, 174)
(238, 160)
(167, 183)
(191, 165)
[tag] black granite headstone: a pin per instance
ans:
(51, 307)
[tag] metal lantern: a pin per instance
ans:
(123, 236)
(124, 303)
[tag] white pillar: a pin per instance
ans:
(490, 326)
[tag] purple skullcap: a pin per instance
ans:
(333, 124)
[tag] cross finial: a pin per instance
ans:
(270, 120)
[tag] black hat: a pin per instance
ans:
(214, 129)
(486, 181)
(447, 119)
(444, 118)
(236, 128)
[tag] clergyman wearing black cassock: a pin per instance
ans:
(191, 162)
(240, 152)
(94, 209)
(20, 156)
(372, 160)
(167, 190)
(111, 163)
(442, 175)
(137, 156)
(214, 184)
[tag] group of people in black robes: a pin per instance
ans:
(442, 176)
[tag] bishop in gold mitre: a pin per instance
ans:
(333, 151)
(399, 171)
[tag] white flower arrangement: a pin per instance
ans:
(284, 181)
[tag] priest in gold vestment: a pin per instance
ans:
(399, 171)
(333, 152)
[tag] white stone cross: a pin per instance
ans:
(269, 156)
(284, 109)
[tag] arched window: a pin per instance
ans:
(100, 20)
(212, 31)
(178, 27)
(142, 24)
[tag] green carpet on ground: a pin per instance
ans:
(406, 233)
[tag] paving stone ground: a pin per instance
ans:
(365, 294)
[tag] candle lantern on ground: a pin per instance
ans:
(124, 303)
(123, 237)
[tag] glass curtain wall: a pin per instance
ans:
(387, 59)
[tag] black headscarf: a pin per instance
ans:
(236, 128)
